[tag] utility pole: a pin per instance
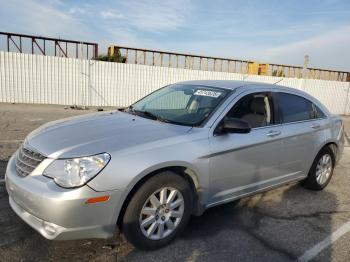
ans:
(306, 63)
(347, 102)
(304, 73)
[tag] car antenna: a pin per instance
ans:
(278, 81)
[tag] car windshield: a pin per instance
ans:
(188, 105)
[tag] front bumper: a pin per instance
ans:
(59, 213)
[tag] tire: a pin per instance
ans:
(315, 180)
(143, 209)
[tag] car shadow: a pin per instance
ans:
(3, 164)
(279, 225)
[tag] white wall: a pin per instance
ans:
(26, 78)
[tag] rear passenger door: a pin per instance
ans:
(301, 133)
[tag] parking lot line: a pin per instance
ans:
(12, 141)
(315, 250)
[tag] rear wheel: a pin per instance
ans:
(321, 170)
(158, 211)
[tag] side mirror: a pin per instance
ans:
(234, 125)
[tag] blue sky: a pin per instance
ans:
(267, 31)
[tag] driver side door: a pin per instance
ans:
(241, 164)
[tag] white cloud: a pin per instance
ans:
(110, 14)
(187, 26)
(76, 10)
(329, 50)
(153, 15)
(40, 19)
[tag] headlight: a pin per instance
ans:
(76, 172)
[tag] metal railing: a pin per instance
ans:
(48, 46)
(87, 50)
(209, 63)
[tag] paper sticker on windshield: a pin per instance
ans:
(207, 93)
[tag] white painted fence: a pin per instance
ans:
(26, 78)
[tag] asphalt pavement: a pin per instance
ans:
(284, 224)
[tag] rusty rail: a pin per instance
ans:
(49, 46)
(178, 60)
(209, 63)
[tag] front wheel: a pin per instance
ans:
(158, 211)
(321, 170)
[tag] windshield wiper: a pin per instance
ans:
(150, 115)
(153, 116)
(161, 119)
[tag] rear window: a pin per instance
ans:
(294, 108)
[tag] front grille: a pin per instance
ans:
(27, 160)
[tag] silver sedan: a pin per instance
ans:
(178, 151)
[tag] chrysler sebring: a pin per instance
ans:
(182, 149)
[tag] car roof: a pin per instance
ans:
(233, 84)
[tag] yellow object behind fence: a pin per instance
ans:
(255, 68)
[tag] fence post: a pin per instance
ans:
(305, 70)
(347, 105)
(89, 84)
(304, 75)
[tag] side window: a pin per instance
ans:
(294, 108)
(254, 108)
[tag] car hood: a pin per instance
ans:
(97, 133)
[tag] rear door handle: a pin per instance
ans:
(315, 126)
(273, 133)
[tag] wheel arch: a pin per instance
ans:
(333, 146)
(184, 171)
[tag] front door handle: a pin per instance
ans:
(315, 126)
(273, 133)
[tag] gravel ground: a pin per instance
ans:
(279, 225)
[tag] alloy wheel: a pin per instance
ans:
(161, 213)
(324, 169)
